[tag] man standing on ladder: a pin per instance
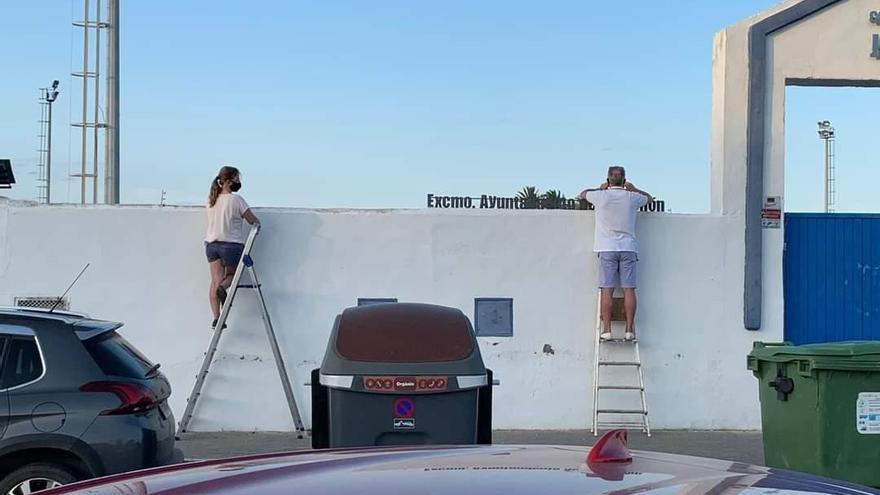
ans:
(617, 202)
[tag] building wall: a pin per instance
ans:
(148, 270)
(730, 108)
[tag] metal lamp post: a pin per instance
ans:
(827, 134)
(49, 96)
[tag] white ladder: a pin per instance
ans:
(600, 362)
(246, 263)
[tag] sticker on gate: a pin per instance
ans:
(404, 423)
(868, 413)
(404, 408)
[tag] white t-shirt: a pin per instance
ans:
(225, 219)
(616, 210)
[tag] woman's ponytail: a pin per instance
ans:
(215, 192)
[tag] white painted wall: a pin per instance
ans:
(730, 106)
(148, 270)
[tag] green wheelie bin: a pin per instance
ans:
(820, 408)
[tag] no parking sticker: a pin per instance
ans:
(404, 408)
(868, 413)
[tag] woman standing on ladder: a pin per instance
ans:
(224, 241)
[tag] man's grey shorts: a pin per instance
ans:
(617, 269)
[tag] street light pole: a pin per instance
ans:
(49, 96)
(111, 150)
(827, 134)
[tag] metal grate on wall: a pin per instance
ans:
(42, 302)
(493, 317)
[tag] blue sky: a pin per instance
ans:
(375, 104)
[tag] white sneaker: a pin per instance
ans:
(629, 336)
(605, 336)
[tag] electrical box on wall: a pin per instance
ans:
(493, 317)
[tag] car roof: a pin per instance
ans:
(41, 312)
(507, 469)
(84, 326)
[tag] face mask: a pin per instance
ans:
(235, 186)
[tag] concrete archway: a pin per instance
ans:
(799, 42)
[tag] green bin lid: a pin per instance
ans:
(853, 355)
(853, 349)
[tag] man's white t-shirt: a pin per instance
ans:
(616, 210)
(224, 219)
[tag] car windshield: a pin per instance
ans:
(117, 357)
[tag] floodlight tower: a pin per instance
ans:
(827, 134)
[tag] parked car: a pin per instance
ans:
(76, 401)
(607, 468)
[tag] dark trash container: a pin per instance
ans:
(401, 374)
(820, 408)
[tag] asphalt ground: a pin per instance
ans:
(741, 446)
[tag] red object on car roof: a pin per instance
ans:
(612, 447)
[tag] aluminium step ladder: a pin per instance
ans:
(245, 264)
(604, 379)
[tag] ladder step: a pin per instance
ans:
(618, 341)
(620, 387)
(636, 426)
(619, 363)
(621, 411)
(249, 286)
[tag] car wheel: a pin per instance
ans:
(36, 477)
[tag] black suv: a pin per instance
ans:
(76, 401)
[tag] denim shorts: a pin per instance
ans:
(617, 269)
(229, 253)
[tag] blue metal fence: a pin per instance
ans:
(831, 275)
